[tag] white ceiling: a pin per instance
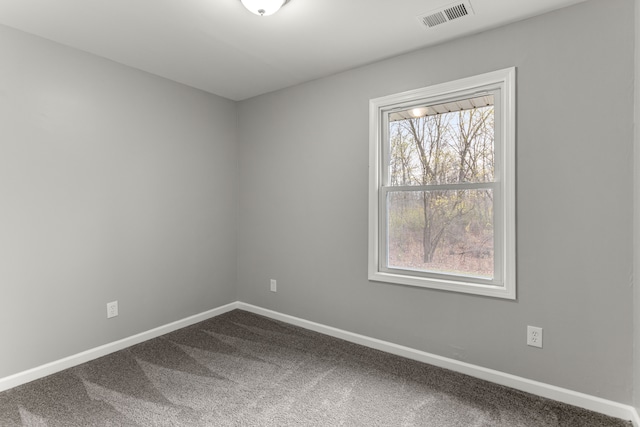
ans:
(220, 47)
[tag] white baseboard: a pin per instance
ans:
(570, 397)
(635, 417)
(77, 359)
(592, 403)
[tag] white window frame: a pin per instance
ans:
(502, 83)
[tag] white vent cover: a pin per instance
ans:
(446, 13)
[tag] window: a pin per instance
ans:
(442, 186)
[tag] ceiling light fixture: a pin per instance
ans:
(264, 7)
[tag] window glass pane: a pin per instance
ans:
(430, 147)
(445, 231)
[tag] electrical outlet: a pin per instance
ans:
(273, 285)
(112, 309)
(534, 336)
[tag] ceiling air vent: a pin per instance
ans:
(447, 13)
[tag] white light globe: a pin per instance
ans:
(263, 7)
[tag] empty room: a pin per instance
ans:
(319, 213)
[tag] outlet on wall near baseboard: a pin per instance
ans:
(273, 285)
(534, 336)
(112, 309)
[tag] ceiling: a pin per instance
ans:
(220, 47)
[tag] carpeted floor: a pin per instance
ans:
(241, 369)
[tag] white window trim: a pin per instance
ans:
(505, 80)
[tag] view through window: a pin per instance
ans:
(436, 221)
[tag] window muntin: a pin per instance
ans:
(442, 193)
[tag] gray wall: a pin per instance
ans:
(636, 218)
(303, 203)
(115, 185)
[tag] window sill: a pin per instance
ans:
(444, 285)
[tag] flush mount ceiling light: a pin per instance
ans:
(264, 7)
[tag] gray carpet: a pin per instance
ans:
(241, 369)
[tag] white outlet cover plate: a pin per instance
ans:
(112, 309)
(534, 336)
